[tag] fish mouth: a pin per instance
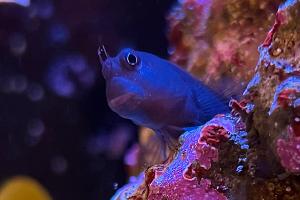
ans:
(121, 100)
(124, 96)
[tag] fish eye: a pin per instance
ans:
(132, 59)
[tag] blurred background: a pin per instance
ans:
(55, 124)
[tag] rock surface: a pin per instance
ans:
(217, 40)
(251, 153)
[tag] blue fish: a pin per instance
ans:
(157, 94)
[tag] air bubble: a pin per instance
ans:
(35, 128)
(59, 165)
(35, 92)
(17, 44)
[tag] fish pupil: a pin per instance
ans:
(132, 59)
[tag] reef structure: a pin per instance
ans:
(252, 153)
(216, 40)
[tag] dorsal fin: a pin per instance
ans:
(227, 88)
(208, 102)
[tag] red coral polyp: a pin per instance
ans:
(286, 97)
(213, 135)
(278, 21)
(190, 173)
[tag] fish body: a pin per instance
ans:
(157, 94)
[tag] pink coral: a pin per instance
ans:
(181, 179)
(288, 151)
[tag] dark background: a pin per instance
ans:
(60, 136)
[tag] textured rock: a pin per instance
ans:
(253, 152)
(275, 94)
(217, 40)
(195, 170)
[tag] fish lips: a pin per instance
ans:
(124, 96)
(122, 101)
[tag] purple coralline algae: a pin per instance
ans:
(254, 151)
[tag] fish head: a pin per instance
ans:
(139, 84)
(122, 92)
